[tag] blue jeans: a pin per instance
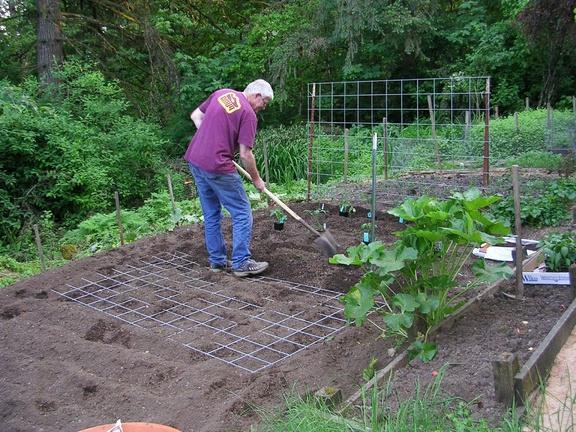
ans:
(224, 190)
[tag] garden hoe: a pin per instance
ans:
(325, 242)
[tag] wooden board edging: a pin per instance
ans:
(402, 359)
(535, 370)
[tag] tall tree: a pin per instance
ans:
(49, 40)
(551, 28)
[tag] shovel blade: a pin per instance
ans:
(326, 244)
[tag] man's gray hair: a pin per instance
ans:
(260, 86)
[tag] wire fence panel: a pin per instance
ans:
(433, 135)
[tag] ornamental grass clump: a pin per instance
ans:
(416, 277)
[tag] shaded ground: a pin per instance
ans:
(67, 367)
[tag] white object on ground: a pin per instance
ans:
(117, 427)
(546, 278)
(498, 253)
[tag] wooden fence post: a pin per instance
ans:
(171, 193)
(119, 218)
(527, 104)
(504, 367)
(572, 273)
(516, 123)
(518, 222)
(39, 247)
(385, 136)
(266, 163)
(433, 123)
(346, 152)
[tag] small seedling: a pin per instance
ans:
(279, 215)
(346, 207)
(317, 216)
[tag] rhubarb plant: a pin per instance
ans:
(413, 282)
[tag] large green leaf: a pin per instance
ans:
(405, 302)
(398, 322)
(427, 304)
(425, 351)
(360, 299)
(491, 273)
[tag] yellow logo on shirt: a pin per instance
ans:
(229, 102)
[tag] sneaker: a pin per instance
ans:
(219, 267)
(250, 267)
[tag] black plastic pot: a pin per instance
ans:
(278, 226)
(343, 213)
(366, 238)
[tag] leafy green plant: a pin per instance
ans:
(559, 250)
(317, 217)
(279, 215)
(346, 206)
(545, 204)
(425, 263)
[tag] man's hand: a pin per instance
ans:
(249, 163)
(259, 184)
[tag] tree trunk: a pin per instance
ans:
(49, 39)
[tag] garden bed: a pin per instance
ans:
(67, 366)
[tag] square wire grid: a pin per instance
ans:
(168, 293)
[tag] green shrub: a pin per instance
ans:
(560, 250)
(532, 134)
(68, 155)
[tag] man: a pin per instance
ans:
(226, 123)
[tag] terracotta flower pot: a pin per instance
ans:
(133, 427)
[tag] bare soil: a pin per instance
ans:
(67, 367)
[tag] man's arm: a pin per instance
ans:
(249, 163)
(197, 117)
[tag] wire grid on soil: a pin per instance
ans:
(437, 122)
(251, 329)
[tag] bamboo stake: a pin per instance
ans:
(518, 223)
(119, 218)
(39, 247)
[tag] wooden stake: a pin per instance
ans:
(467, 123)
(170, 193)
(572, 272)
(119, 218)
(385, 135)
(486, 155)
(504, 368)
(266, 165)
(39, 247)
(311, 141)
(496, 112)
(346, 151)
(516, 123)
(433, 123)
(527, 104)
(518, 223)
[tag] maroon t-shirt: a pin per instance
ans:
(229, 120)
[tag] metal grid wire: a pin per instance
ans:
(424, 126)
(252, 331)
